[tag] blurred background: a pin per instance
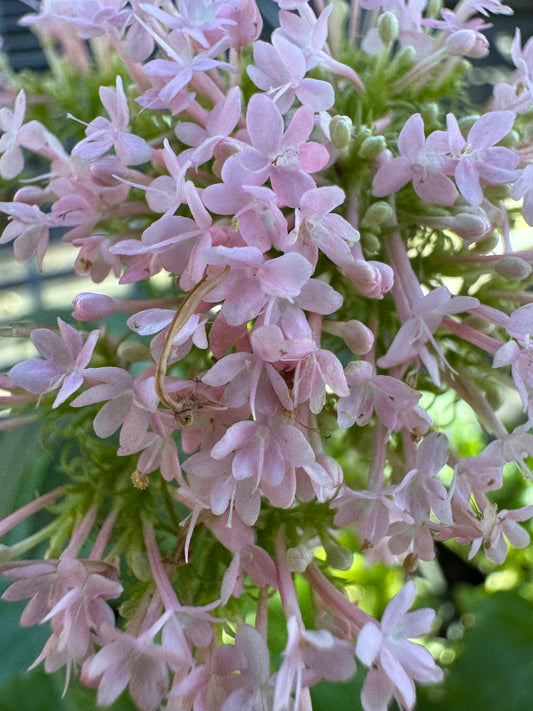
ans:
(484, 613)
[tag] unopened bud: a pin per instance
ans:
(223, 151)
(467, 43)
(510, 140)
(388, 27)
(431, 113)
(358, 337)
(496, 193)
(512, 268)
(471, 227)
(494, 395)
(466, 123)
(377, 214)
(406, 56)
(340, 131)
(487, 244)
(370, 242)
(338, 557)
(133, 351)
(30, 195)
(92, 307)
(103, 171)
(298, 558)
(138, 562)
(372, 147)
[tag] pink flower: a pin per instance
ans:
(129, 404)
(183, 63)
(71, 594)
(491, 529)
(280, 70)
(254, 209)
(198, 19)
(102, 133)
(422, 161)
(12, 160)
(393, 402)
(219, 124)
(66, 358)
(286, 157)
(262, 452)
(317, 228)
(477, 158)
(371, 511)
(137, 663)
(243, 670)
(395, 662)
(425, 491)
(310, 655)
(29, 227)
(90, 18)
(252, 282)
(498, 527)
(427, 314)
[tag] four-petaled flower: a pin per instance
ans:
(394, 661)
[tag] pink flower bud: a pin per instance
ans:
(512, 268)
(92, 307)
(373, 279)
(471, 226)
(355, 334)
(30, 195)
(467, 43)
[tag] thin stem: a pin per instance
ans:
(29, 509)
(472, 335)
(81, 531)
(335, 600)
(472, 395)
(167, 592)
(18, 549)
(102, 539)
(287, 591)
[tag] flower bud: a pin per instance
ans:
(338, 557)
(510, 140)
(497, 192)
(30, 195)
(494, 395)
(487, 244)
(471, 226)
(358, 337)
(138, 562)
(373, 279)
(298, 558)
(430, 113)
(466, 122)
(133, 351)
(377, 214)
(460, 42)
(388, 27)
(406, 56)
(340, 131)
(370, 242)
(512, 268)
(92, 307)
(372, 147)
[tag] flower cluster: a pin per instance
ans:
(317, 231)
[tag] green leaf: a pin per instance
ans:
(494, 671)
